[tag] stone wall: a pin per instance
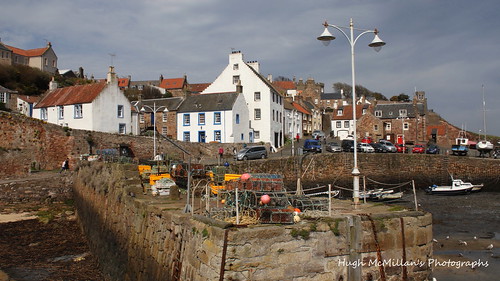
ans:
(336, 168)
(31, 144)
(139, 237)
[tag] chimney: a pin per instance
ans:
(111, 77)
(255, 65)
(239, 88)
(270, 78)
(52, 84)
(80, 72)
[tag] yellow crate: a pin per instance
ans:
(154, 178)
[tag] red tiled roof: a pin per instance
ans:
(29, 99)
(172, 83)
(72, 95)
(198, 88)
(286, 85)
(300, 108)
(347, 112)
(28, 53)
(123, 82)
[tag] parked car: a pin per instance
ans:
(388, 145)
(318, 134)
(311, 145)
(365, 147)
(333, 147)
(251, 152)
(401, 148)
(347, 145)
(379, 148)
(418, 148)
(432, 149)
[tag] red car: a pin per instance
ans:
(367, 140)
(401, 148)
(418, 148)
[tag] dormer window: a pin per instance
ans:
(378, 113)
(402, 112)
(340, 112)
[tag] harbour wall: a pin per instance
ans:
(140, 237)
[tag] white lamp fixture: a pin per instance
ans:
(326, 37)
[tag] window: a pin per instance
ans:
(242, 137)
(141, 118)
(217, 136)
(403, 112)
(315, 101)
(201, 118)
(256, 96)
(54, 63)
(236, 79)
(387, 126)
(375, 127)
(378, 113)
(3, 97)
(406, 126)
(339, 124)
(78, 111)
(46, 61)
(165, 117)
(120, 111)
(257, 114)
(217, 118)
(364, 111)
(274, 96)
(235, 66)
(164, 130)
(61, 112)
(346, 124)
(187, 136)
(256, 134)
(43, 113)
(122, 129)
(340, 112)
(187, 120)
(273, 114)
(237, 119)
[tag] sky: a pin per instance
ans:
(449, 49)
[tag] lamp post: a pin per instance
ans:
(377, 44)
(155, 110)
(403, 118)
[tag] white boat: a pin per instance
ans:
(457, 187)
(380, 195)
(484, 146)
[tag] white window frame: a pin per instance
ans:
(60, 110)
(78, 111)
(165, 117)
(378, 113)
(257, 114)
(256, 96)
(186, 119)
(43, 113)
(120, 111)
(122, 128)
(236, 79)
(256, 135)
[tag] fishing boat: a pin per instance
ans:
(484, 146)
(380, 195)
(457, 187)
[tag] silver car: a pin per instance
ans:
(251, 152)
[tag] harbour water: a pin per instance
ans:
(463, 228)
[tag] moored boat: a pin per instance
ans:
(457, 187)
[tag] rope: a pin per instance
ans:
(398, 184)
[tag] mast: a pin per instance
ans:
(484, 114)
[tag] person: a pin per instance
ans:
(65, 165)
(297, 137)
(234, 151)
(221, 152)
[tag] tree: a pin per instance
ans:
(24, 79)
(401, 98)
(360, 91)
(147, 92)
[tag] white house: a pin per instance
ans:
(264, 102)
(217, 117)
(95, 107)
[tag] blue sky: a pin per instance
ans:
(446, 48)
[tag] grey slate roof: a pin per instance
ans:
(5, 90)
(331, 96)
(172, 104)
(208, 102)
(391, 111)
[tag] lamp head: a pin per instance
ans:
(143, 109)
(165, 110)
(376, 43)
(326, 36)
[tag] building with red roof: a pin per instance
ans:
(44, 58)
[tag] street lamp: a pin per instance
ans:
(293, 115)
(376, 44)
(155, 110)
(403, 118)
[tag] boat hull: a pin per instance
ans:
(448, 190)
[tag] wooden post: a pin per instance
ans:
(414, 195)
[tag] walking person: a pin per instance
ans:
(221, 154)
(65, 165)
